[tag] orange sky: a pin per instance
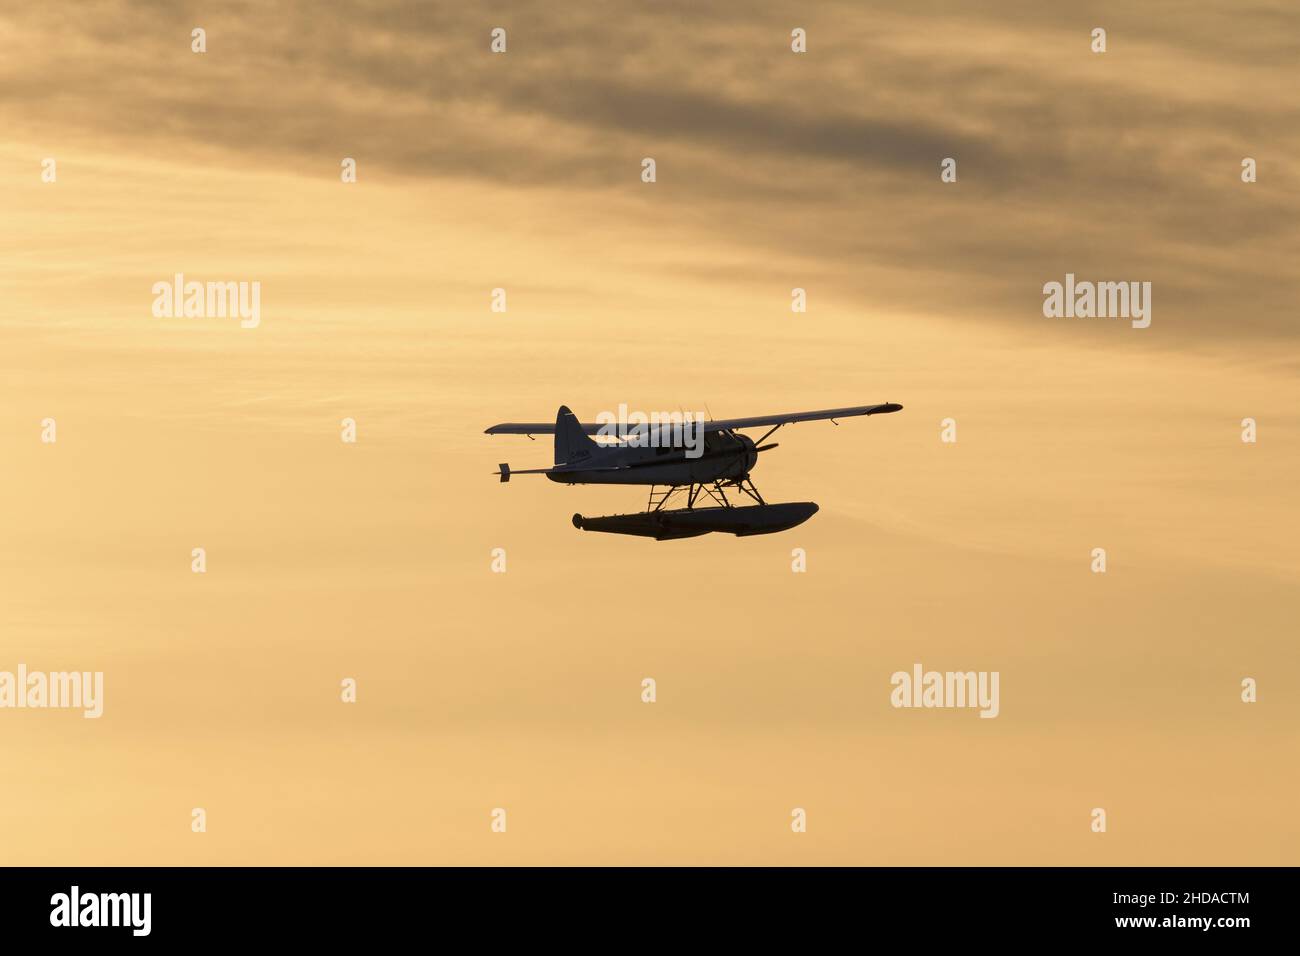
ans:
(522, 690)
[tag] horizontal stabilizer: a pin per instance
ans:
(507, 472)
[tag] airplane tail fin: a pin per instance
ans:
(571, 443)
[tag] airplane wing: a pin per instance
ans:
(789, 418)
(716, 425)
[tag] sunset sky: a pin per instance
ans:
(775, 170)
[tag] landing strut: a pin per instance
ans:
(716, 492)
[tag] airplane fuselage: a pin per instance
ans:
(724, 456)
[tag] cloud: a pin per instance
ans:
(1123, 165)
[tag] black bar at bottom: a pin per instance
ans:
(654, 906)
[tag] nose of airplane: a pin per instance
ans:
(892, 407)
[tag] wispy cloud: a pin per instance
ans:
(1122, 165)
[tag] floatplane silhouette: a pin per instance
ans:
(698, 459)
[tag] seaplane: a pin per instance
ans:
(695, 458)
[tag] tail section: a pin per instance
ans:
(572, 445)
